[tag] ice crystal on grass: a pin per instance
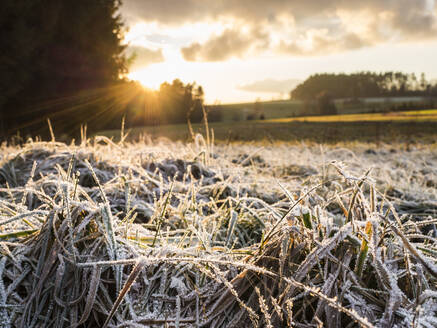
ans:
(161, 234)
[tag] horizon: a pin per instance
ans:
(240, 52)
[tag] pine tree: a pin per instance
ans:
(58, 58)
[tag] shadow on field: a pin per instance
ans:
(321, 132)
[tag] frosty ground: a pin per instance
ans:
(166, 234)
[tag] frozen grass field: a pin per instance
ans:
(168, 234)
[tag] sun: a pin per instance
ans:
(146, 78)
(153, 75)
(174, 65)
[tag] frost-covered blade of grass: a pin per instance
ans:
(162, 234)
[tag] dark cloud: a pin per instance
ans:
(271, 86)
(415, 21)
(231, 43)
(387, 21)
(168, 11)
(143, 57)
(183, 11)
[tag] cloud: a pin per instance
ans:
(144, 57)
(189, 11)
(271, 86)
(320, 42)
(335, 25)
(231, 43)
(417, 21)
(167, 11)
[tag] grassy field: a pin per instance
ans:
(172, 234)
(408, 116)
(270, 109)
(291, 108)
(338, 128)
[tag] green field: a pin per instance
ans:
(409, 116)
(337, 128)
(270, 109)
(292, 108)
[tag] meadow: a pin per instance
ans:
(277, 109)
(160, 233)
(368, 127)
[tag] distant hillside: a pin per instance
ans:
(294, 108)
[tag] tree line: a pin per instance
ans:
(172, 103)
(363, 85)
(65, 61)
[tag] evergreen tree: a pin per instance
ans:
(361, 85)
(59, 58)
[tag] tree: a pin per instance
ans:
(59, 58)
(179, 102)
(195, 114)
(325, 104)
(360, 85)
(258, 108)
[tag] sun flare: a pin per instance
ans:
(153, 75)
(147, 80)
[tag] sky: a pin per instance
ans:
(243, 50)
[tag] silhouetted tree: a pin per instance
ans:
(59, 59)
(176, 100)
(325, 104)
(196, 111)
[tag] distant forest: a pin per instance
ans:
(363, 85)
(65, 61)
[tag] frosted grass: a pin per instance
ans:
(165, 234)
